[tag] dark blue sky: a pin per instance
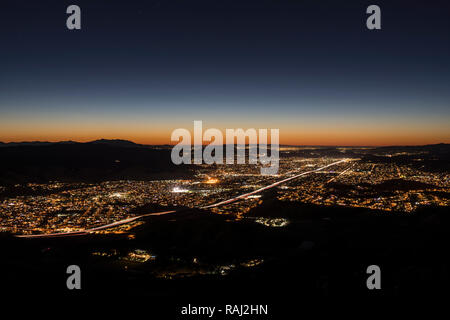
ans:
(139, 69)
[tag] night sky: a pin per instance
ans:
(139, 69)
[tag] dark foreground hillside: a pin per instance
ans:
(196, 256)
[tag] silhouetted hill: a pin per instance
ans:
(324, 251)
(117, 143)
(439, 147)
(93, 161)
(113, 142)
(433, 158)
(27, 143)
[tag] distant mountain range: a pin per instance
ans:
(103, 159)
(114, 142)
(127, 143)
(97, 160)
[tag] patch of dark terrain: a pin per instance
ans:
(86, 162)
(322, 252)
(16, 190)
(429, 158)
(385, 189)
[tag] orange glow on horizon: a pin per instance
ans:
(333, 139)
(313, 133)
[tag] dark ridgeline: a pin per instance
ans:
(103, 160)
(95, 161)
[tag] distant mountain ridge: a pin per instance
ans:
(111, 142)
(93, 161)
(104, 160)
(128, 143)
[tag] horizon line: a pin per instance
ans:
(224, 144)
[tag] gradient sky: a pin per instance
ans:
(139, 69)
